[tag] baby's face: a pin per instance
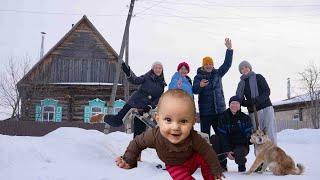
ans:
(175, 118)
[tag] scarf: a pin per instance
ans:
(252, 83)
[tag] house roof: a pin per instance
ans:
(62, 40)
(294, 100)
(86, 83)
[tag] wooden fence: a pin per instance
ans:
(283, 124)
(33, 128)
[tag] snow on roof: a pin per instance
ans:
(86, 83)
(296, 99)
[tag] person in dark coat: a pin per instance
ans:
(234, 132)
(208, 85)
(254, 90)
(146, 97)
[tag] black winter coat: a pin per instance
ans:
(234, 129)
(263, 100)
(149, 92)
(211, 97)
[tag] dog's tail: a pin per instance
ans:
(298, 170)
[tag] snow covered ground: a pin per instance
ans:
(78, 154)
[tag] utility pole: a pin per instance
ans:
(42, 45)
(118, 64)
(125, 81)
(288, 88)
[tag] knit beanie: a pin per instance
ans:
(243, 64)
(235, 98)
(186, 65)
(207, 60)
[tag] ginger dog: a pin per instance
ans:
(272, 156)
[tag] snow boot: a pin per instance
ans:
(241, 168)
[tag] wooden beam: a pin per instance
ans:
(116, 79)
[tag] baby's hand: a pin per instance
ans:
(220, 176)
(122, 164)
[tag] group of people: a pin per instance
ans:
(176, 143)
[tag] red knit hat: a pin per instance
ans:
(186, 65)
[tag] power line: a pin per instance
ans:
(53, 13)
(148, 8)
(239, 6)
(224, 17)
(159, 15)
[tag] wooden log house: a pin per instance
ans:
(73, 81)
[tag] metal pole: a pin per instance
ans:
(288, 88)
(116, 79)
(256, 117)
(125, 81)
(42, 44)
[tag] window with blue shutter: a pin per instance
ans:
(118, 105)
(87, 114)
(49, 110)
(97, 106)
(58, 114)
(38, 113)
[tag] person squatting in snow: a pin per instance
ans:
(146, 97)
(208, 84)
(181, 80)
(234, 131)
(177, 144)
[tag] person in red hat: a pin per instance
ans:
(181, 80)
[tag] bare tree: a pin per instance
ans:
(310, 80)
(9, 95)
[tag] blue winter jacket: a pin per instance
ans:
(180, 82)
(149, 92)
(211, 98)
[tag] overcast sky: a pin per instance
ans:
(278, 38)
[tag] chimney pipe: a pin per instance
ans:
(42, 45)
(288, 88)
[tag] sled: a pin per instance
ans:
(149, 121)
(146, 118)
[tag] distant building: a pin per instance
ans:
(73, 81)
(293, 113)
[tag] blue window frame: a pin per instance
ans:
(49, 110)
(97, 106)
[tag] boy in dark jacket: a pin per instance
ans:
(208, 84)
(234, 131)
(180, 147)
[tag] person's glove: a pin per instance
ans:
(125, 68)
(144, 110)
(230, 155)
(254, 101)
(147, 109)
